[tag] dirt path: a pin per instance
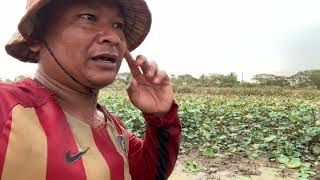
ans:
(266, 174)
(230, 167)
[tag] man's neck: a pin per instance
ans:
(74, 101)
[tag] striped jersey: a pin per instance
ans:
(39, 141)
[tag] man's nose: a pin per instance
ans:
(108, 36)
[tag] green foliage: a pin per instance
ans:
(251, 124)
(290, 163)
(304, 172)
(271, 80)
(218, 80)
(303, 79)
(309, 78)
(122, 107)
(209, 152)
(121, 82)
(20, 77)
(304, 169)
(8, 80)
(285, 128)
(192, 166)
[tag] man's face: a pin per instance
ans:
(87, 38)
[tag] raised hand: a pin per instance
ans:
(150, 90)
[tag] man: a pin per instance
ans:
(52, 127)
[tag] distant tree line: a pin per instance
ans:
(7, 80)
(303, 79)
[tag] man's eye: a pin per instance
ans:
(89, 17)
(118, 25)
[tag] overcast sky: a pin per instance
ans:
(212, 36)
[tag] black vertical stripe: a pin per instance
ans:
(163, 139)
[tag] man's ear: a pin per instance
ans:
(35, 46)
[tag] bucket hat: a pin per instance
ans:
(137, 17)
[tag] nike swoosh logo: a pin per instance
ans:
(72, 158)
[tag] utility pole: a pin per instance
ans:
(241, 77)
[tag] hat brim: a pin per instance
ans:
(137, 17)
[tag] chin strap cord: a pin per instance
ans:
(91, 90)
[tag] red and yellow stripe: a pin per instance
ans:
(26, 154)
(34, 142)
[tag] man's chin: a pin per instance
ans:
(101, 83)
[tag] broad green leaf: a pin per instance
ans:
(222, 137)
(316, 149)
(294, 163)
(283, 159)
(208, 152)
(270, 138)
(192, 166)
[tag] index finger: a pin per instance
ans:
(135, 71)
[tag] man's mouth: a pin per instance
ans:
(110, 58)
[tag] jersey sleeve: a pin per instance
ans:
(154, 156)
(5, 106)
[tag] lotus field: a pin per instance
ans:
(284, 129)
